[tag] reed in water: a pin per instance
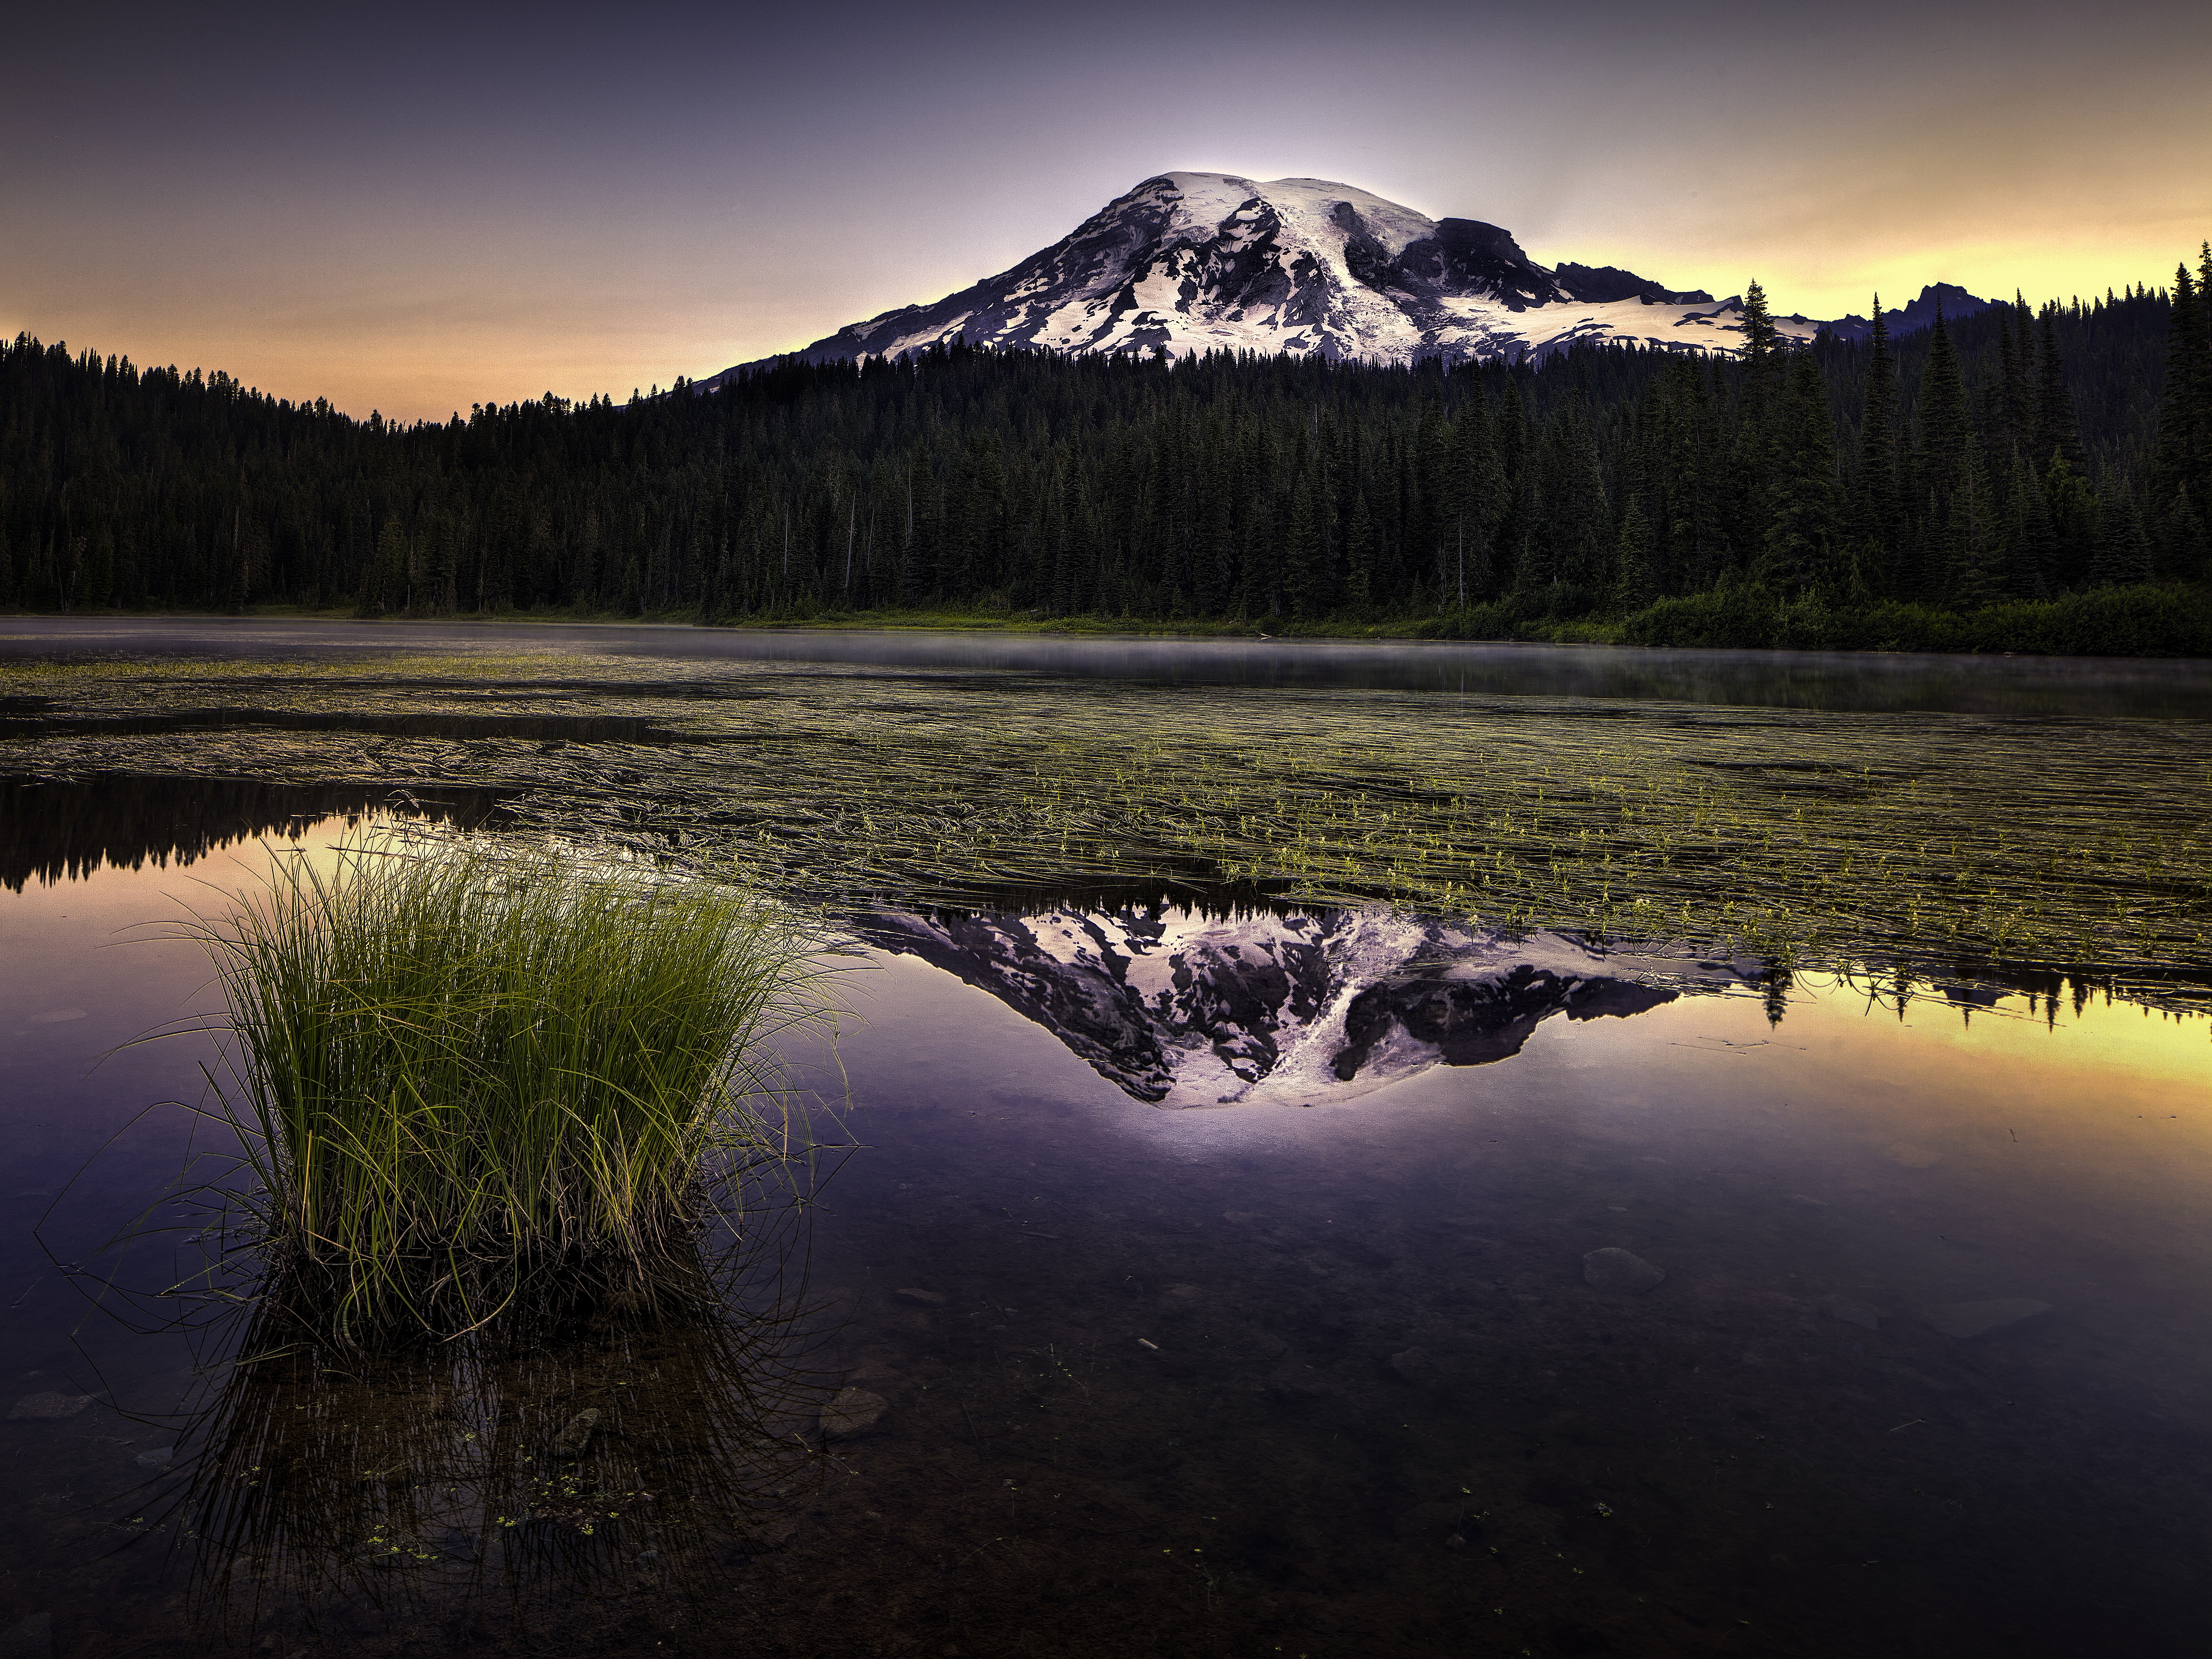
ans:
(458, 1070)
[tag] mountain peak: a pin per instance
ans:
(1188, 262)
(1949, 298)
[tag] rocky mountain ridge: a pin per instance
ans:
(1191, 261)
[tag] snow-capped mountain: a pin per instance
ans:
(1188, 262)
(1183, 1008)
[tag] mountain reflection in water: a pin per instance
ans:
(1921, 1372)
(1186, 1007)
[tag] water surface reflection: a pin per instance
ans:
(2123, 687)
(1923, 1370)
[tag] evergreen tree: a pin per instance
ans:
(1760, 338)
(2056, 427)
(2123, 550)
(2186, 554)
(1302, 550)
(1634, 587)
(1878, 506)
(1945, 435)
(1359, 557)
(2020, 384)
(2034, 541)
(1977, 575)
(2184, 457)
(1800, 551)
(2073, 509)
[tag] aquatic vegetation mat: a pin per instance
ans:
(1812, 837)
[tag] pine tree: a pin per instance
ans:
(1634, 588)
(2183, 460)
(2034, 541)
(2056, 427)
(1878, 506)
(1977, 577)
(1481, 498)
(1799, 551)
(1301, 549)
(2019, 389)
(2123, 551)
(1359, 557)
(1945, 434)
(1760, 338)
(2073, 509)
(2187, 556)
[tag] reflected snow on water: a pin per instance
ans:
(1183, 1007)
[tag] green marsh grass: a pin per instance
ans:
(1849, 840)
(460, 1070)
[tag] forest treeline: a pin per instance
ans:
(2017, 463)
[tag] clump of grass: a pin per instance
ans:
(458, 1070)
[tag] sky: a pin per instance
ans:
(415, 209)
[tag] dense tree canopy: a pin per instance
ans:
(2009, 455)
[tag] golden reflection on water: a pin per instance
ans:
(2070, 1071)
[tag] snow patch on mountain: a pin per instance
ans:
(1192, 262)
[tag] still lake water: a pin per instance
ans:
(1293, 1362)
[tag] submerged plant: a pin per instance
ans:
(1813, 837)
(460, 1069)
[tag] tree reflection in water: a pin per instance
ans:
(600, 1455)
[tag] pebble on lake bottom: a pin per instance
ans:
(571, 1441)
(48, 1406)
(1973, 1318)
(157, 1458)
(1615, 1269)
(1411, 1363)
(852, 1413)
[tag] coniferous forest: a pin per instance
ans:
(2022, 478)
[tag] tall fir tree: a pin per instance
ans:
(2034, 541)
(1944, 437)
(2057, 430)
(2123, 550)
(1800, 552)
(1359, 557)
(1635, 589)
(1878, 507)
(1976, 576)
(2183, 460)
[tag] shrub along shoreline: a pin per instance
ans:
(2157, 621)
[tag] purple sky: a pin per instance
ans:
(417, 209)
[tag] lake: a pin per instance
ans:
(1240, 1242)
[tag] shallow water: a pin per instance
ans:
(2120, 688)
(1232, 1281)
(1317, 1372)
